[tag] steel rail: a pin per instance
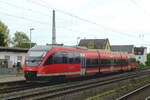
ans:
(66, 90)
(126, 96)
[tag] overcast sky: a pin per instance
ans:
(123, 22)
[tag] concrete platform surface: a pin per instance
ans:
(10, 78)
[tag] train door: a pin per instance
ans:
(99, 60)
(129, 63)
(83, 64)
(112, 64)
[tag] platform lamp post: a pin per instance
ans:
(30, 35)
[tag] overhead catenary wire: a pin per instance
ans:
(80, 18)
(23, 18)
(66, 13)
(141, 8)
(27, 9)
(85, 20)
(81, 32)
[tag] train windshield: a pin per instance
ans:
(36, 55)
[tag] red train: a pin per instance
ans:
(55, 61)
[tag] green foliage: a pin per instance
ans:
(2, 42)
(21, 40)
(148, 59)
(4, 35)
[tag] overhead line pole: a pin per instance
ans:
(53, 29)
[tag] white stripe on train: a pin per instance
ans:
(71, 73)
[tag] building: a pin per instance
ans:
(9, 56)
(141, 54)
(102, 44)
(123, 48)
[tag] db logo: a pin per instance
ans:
(30, 69)
(71, 67)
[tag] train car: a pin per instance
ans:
(52, 62)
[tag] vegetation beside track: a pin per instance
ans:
(145, 67)
(122, 88)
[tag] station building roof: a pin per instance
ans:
(12, 49)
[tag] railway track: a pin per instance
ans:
(16, 86)
(22, 85)
(48, 93)
(14, 83)
(141, 93)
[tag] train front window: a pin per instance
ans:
(36, 55)
(34, 58)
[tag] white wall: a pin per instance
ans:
(142, 58)
(13, 57)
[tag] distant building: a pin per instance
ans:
(102, 44)
(141, 54)
(9, 56)
(123, 48)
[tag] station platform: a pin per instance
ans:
(11, 78)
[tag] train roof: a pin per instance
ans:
(41, 48)
(49, 47)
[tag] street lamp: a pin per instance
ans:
(30, 35)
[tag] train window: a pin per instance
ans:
(70, 58)
(49, 60)
(124, 62)
(105, 62)
(132, 60)
(117, 62)
(76, 58)
(92, 62)
(73, 58)
(58, 58)
(63, 58)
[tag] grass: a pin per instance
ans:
(145, 67)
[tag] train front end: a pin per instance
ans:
(33, 62)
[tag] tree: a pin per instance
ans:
(4, 35)
(21, 40)
(148, 59)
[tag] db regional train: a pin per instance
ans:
(48, 62)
